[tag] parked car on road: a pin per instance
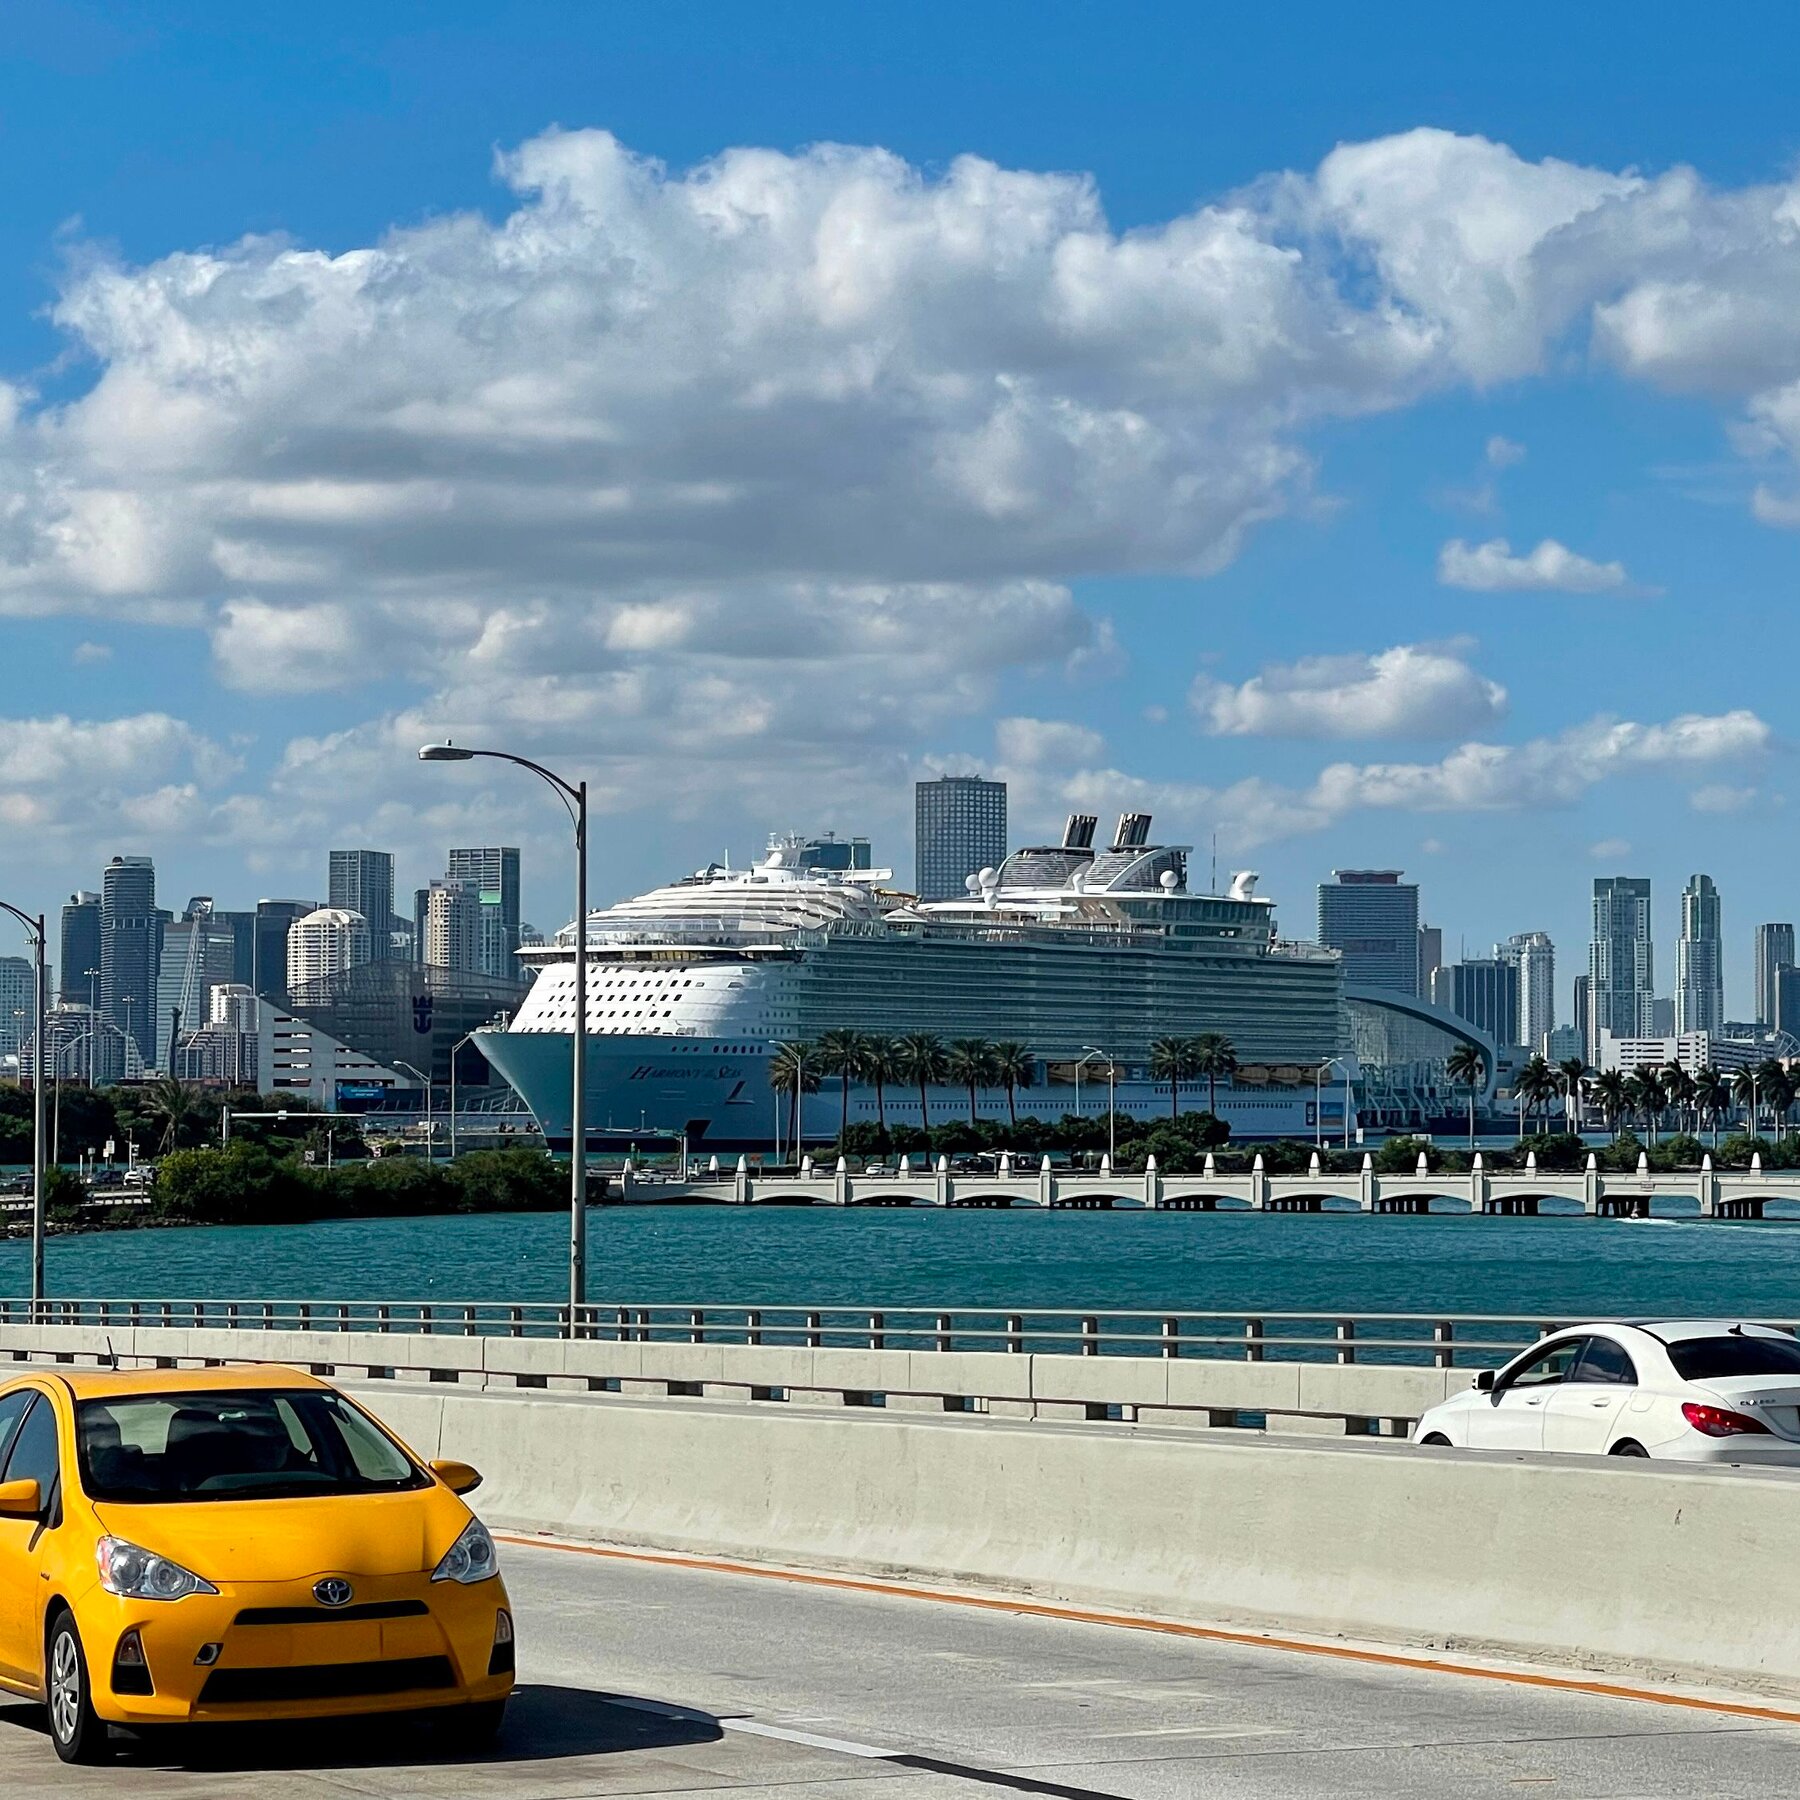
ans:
(1689, 1390)
(233, 1544)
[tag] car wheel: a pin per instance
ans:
(1437, 1439)
(1628, 1448)
(78, 1735)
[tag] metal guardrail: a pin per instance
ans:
(1418, 1340)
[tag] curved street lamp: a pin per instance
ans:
(1112, 1146)
(35, 930)
(573, 795)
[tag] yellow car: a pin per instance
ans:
(231, 1544)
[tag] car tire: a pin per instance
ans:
(77, 1733)
(1628, 1448)
(1437, 1440)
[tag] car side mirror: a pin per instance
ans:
(1485, 1381)
(458, 1477)
(21, 1500)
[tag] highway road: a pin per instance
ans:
(639, 1677)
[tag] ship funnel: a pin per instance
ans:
(1243, 884)
(1078, 834)
(1134, 831)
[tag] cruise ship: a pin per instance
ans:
(1083, 955)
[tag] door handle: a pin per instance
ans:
(1537, 1402)
(1599, 1403)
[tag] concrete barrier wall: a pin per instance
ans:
(1193, 1391)
(1663, 1573)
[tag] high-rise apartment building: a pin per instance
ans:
(492, 875)
(326, 942)
(1583, 1015)
(1485, 991)
(1774, 950)
(959, 829)
(269, 944)
(1621, 961)
(452, 920)
(1533, 956)
(1371, 918)
(199, 953)
(18, 1003)
(78, 964)
(1786, 1016)
(131, 931)
(1699, 960)
(362, 881)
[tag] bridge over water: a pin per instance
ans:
(1029, 1180)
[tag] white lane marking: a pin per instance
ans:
(753, 1727)
(811, 1740)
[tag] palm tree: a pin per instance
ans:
(1536, 1085)
(1574, 1074)
(1779, 1091)
(793, 1071)
(1467, 1066)
(174, 1102)
(1013, 1064)
(1214, 1057)
(881, 1064)
(1679, 1089)
(1745, 1087)
(840, 1053)
(1613, 1098)
(920, 1058)
(1172, 1058)
(1712, 1094)
(970, 1061)
(1644, 1095)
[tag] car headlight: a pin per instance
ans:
(471, 1558)
(138, 1574)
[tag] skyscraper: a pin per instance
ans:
(1533, 955)
(1485, 991)
(199, 954)
(78, 965)
(362, 881)
(1699, 960)
(453, 926)
(326, 942)
(269, 967)
(492, 875)
(1774, 949)
(1431, 955)
(18, 1003)
(1582, 1017)
(1371, 918)
(1621, 962)
(959, 829)
(131, 931)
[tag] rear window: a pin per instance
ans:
(1719, 1358)
(260, 1445)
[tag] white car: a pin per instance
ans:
(1691, 1390)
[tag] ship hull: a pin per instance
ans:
(717, 1093)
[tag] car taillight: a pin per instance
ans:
(1721, 1421)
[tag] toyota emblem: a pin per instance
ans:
(333, 1591)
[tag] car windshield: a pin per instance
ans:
(263, 1444)
(1716, 1358)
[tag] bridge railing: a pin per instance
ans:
(1417, 1340)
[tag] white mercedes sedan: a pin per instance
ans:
(1690, 1390)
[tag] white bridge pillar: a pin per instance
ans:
(1365, 1184)
(942, 1196)
(740, 1182)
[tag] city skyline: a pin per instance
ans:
(1009, 515)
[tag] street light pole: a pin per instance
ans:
(574, 796)
(425, 1082)
(35, 928)
(1112, 1131)
(453, 1050)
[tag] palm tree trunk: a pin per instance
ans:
(1174, 1097)
(881, 1104)
(924, 1111)
(972, 1118)
(1212, 1095)
(1471, 1116)
(843, 1103)
(1012, 1103)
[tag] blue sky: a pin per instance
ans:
(1185, 488)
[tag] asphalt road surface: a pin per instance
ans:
(638, 1678)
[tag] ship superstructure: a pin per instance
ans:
(1064, 948)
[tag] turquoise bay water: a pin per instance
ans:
(1557, 1267)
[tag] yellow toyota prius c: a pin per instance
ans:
(239, 1543)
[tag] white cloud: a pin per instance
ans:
(1504, 453)
(89, 652)
(1411, 690)
(1721, 797)
(1492, 568)
(1609, 849)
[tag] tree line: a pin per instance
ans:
(918, 1061)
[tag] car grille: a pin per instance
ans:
(327, 1681)
(331, 1615)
